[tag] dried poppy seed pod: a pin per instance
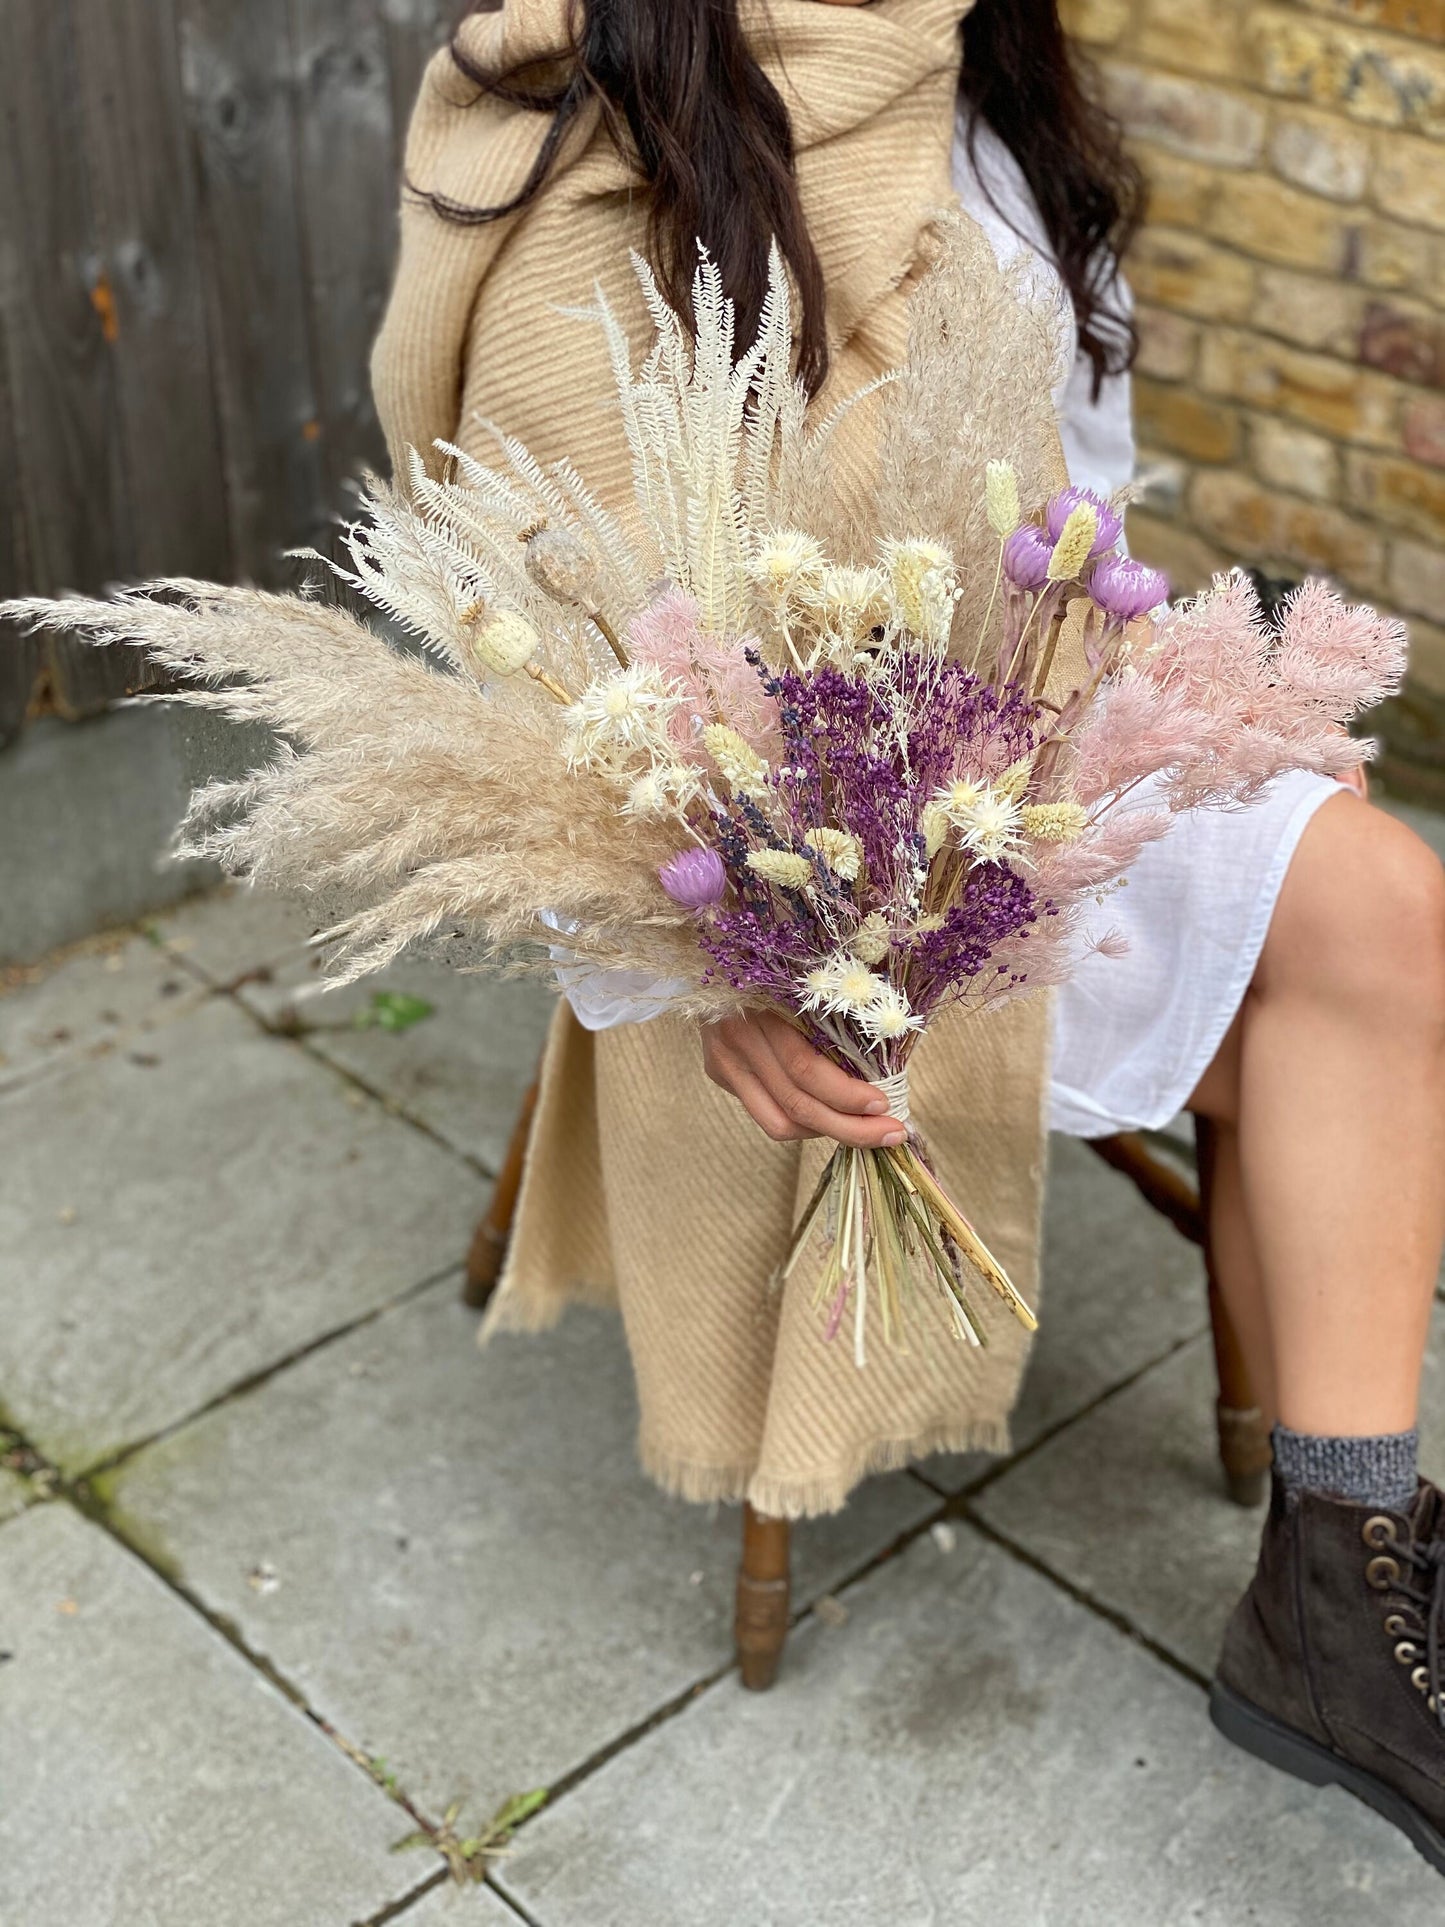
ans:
(561, 567)
(503, 642)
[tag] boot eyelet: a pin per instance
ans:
(1420, 1680)
(1378, 1531)
(1382, 1572)
(1395, 1626)
(1406, 1653)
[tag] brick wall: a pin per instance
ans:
(1291, 285)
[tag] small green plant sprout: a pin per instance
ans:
(469, 1856)
(392, 1010)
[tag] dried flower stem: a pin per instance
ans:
(556, 690)
(609, 636)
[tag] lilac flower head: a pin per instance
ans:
(1026, 557)
(1125, 589)
(1067, 500)
(696, 879)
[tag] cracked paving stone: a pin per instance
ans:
(172, 1227)
(470, 1575)
(1120, 1289)
(973, 1746)
(1129, 1506)
(153, 1778)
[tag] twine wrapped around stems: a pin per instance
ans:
(895, 1089)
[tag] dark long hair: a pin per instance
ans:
(682, 95)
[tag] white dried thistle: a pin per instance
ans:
(618, 714)
(888, 1016)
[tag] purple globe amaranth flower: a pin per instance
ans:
(695, 878)
(1111, 525)
(1125, 589)
(1026, 556)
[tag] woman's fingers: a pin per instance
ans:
(836, 1088)
(777, 1078)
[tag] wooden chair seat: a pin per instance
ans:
(763, 1587)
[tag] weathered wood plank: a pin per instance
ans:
(348, 188)
(20, 656)
(55, 300)
(414, 31)
(237, 70)
(140, 170)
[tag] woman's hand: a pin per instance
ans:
(788, 1090)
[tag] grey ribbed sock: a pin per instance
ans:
(1371, 1471)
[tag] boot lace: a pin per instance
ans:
(1420, 1588)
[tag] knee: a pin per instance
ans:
(1364, 919)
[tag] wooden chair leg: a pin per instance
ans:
(489, 1240)
(764, 1591)
(1244, 1448)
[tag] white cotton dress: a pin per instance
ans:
(1132, 1034)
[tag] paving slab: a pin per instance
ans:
(228, 933)
(177, 1219)
(1121, 1288)
(15, 1494)
(451, 1905)
(1127, 1505)
(106, 996)
(461, 1071)
(152, 1777)
(461, 1565)
(971, 1746)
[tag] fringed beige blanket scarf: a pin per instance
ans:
(647, 1187)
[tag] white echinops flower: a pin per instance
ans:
(627, 711)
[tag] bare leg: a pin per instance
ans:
(1332, 1090)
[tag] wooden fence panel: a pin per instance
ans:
(414, 31)
(197, 226)
(238, 68)
(348, 191)
(20, 656)
(144, 196)
(66, 449)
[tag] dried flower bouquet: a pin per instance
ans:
(859, 772)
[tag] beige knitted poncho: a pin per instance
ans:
(646, 1186)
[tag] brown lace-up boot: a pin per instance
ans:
(1332, 1663)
